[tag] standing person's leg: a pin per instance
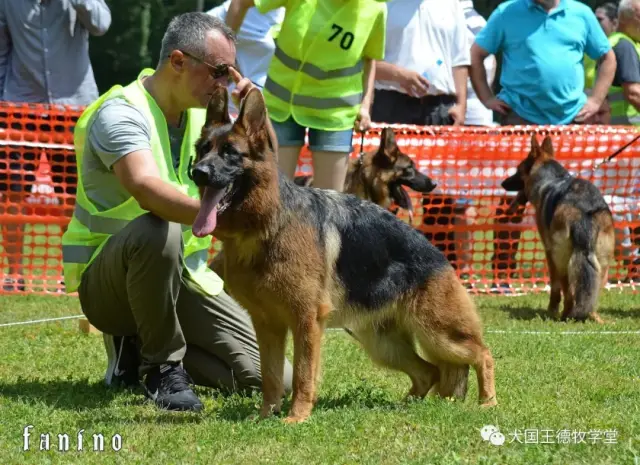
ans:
(222, 349)
(507, 237)
(330, 151)
(131, 289)
(506, 240)
(440, 210)
(290, 141)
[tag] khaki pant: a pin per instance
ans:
(136, 286)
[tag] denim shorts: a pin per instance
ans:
(291, 134)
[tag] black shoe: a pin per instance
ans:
(123, 361)
(168, 386)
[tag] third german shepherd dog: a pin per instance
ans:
(303, 259)
(380, 175)
(576, 227)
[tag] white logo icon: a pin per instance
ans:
(492, 434)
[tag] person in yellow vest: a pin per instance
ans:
(624, 93)
(607, 16)
(624, 98)
(320, 78)
(140, 273)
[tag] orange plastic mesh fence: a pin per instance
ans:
(466, 216)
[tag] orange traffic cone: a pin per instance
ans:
(42, 191)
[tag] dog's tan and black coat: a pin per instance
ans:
(576, 228)
(302, 259)
(381, 175)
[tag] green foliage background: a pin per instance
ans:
(133, 40)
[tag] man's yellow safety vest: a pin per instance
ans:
(622, 112)
(589, 72)
(318, 80)
(90, 229)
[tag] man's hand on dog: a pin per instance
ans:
(243, 85)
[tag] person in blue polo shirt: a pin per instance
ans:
(543, 44)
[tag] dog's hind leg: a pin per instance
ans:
(584, 282)
(555, 282)
(449, 330)
(453, 380)
(391, 347)
(460, 351)
(567, 303)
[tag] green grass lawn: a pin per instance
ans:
(550, 384)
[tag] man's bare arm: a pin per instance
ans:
(480, 84)
(413, 83)
(631, 91)
(478, 73)
(237, 11)
(606, 73)
(139, 175)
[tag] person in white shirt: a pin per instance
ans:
(255, 42)
(477, 114)
(423, 81)
(423, 78)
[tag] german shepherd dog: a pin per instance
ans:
(380, 175)
(576, 227)
(303, 259)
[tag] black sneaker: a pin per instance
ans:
(168, 386)
(123, 361)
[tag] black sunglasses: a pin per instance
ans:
(216, 71)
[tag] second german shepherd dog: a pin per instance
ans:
(303, 259)
(576, 227)
(380, 175)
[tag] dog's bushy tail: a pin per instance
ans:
(584, 269)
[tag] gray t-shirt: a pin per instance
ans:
(117, 129)
(628, 68)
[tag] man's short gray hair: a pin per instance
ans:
(625, 8)
(188, 32)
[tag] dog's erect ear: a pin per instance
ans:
(218, 107)
(387, 149)
(388, 140)
(547, 148)
(253, 112)
(535, 147)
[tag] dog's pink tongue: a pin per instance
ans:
(205, 222)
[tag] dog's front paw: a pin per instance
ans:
(554, 313)
(292, 419)
(596, 318)
(491, 402)
(268, 410)
(300, 411)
